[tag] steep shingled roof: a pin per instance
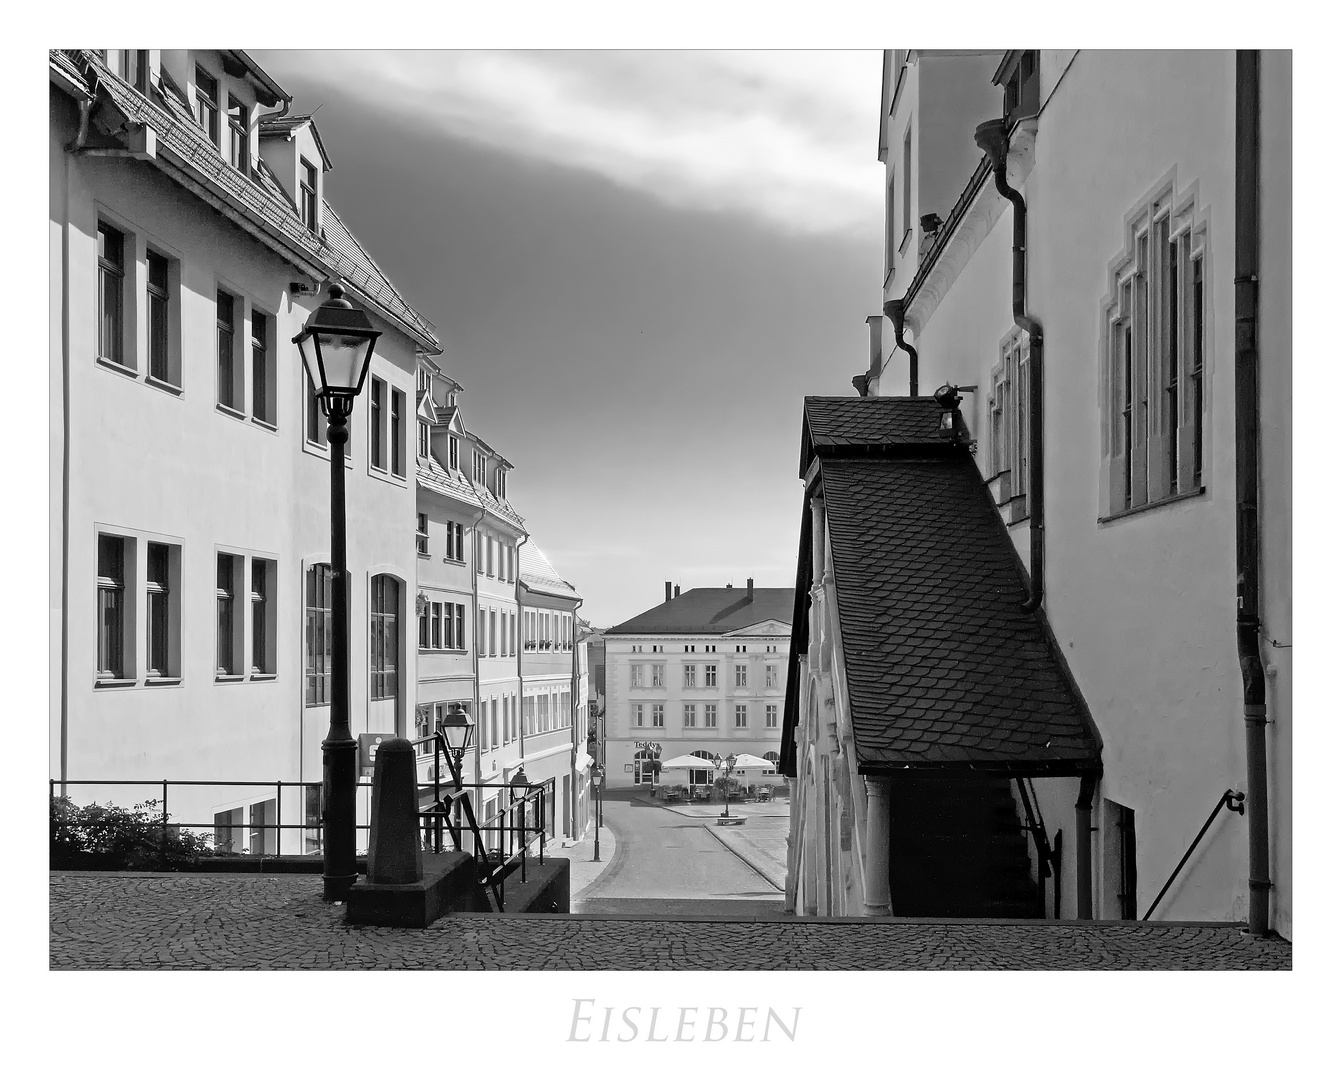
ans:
(881, 425)
(538, 575)
(710, 611)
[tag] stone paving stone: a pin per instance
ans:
(233, 922)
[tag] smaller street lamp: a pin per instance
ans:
(459, 731)
(727, 763)
(518, 787)
(598, 778)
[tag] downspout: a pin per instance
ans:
(1084, 800)
(475, 652)
(573, 724)
(1247, 554)
(521, 637)
(991, 138)
(65, 460)
(894, 311)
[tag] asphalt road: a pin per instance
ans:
(671, 865)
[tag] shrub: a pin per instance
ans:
(134, 839)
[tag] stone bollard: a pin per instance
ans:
(394, 855)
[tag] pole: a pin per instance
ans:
(340, 754)
(596, 843)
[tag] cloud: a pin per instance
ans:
(785, 137)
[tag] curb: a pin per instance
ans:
(767, 877)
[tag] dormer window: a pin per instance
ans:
(424, 381)
(478, 467)
(1020, 84)
(237, 135)
(453, 453)
(423, 439)
(207, 103)
(501, 482)
(134, 68)
(307, 202)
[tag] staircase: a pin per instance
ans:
(957, 850)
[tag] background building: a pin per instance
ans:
(703, 671)
(191, 595)
(1126, 163)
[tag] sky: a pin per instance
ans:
(638, 263)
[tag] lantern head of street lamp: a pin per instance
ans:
(948, 397)
(459, 729)
(519, 785)
(337, 346)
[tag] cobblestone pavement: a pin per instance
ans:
(235, 921)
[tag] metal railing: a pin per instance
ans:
(1231, 800)
(1050, 855)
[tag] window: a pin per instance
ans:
(658, 674)
(238, 153)
(458, 638)
(422, 533)
(207, 103)
(771, 716)
(892, 241)
(501, 482)
(1020, 85)
(489, 555)
(771, 676)
(453, 454)
(430, 616)
(710, 715)
(263, 371)
(478, 467)
(635, 675)
(740, 648)
(493, 721)
(397, 449)
(480, 632)
(740, 675)
(157, 296)
(318, 586)
(307, 187)
(710, 675)
(659, 648)
(384, 637)
(690, 716)
(315, 422)
(493, 632)
(456, 542)
(512, 633)
(907, 205)
(1009, 422)
(1153, 371)
(659, 716)
(771, 756)
(160, 612)
(741, 716)
(263, 616)
(376, 453)
(134, 68)
(422, 434)
(228, 389)
(111, 282)
(112, 606)
(227, 627)
(691, 674)
(710, 648)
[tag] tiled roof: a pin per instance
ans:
(433, 476)
(886, 426)
(258, 196)
(711, 611)
(943, 666)
(492, 502)
(539, 575)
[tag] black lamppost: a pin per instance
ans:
(598, 776)
(459, 733)
(518, 787)
(337, 345)
(727, 763)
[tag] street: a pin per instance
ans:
(669, 862)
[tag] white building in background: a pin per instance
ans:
(704, 673)
(1125, 166)
(190, 523)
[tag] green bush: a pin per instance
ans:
(134, 838)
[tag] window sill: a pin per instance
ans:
(423, 554)
(112, 684)
(265, 425)
(228, 410)
(1154, 505)
(903, 244)
(163, 680)
(228, 678)
(264, 676)
(161, 384)
(458, 562)
(119, 368)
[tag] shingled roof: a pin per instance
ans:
(944, 668)
(540, 576)
(711, 611)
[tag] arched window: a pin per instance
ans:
(705, 775)
(384, 639)
(772, 757)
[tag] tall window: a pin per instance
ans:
(493, 632)
(480, 637)
(225, 656)
(771, 716)
(384, 637)
(478, 467)
(635, 675)
(224, 340)
(111, 607)
(158, 596)
(397, 450)
(690, 676)
(740, 675)
(315, 423)
(453, 452)
(770, 676)
(237, 135)
(906, 220)
(892, 241)
(422, 533)
(307, 186)
(156, 290)
(262, 406)
(710, 715)
(263, 647)
(422, 445)
(135, 68)
(1154, 430)
(638, 715)
(207, 103)
(658, 674)
(659, 716)
(710, 675)
(111, 280)
(456, 547)
(689, 716)
(375, 451)
(318, 640)
(741, 716)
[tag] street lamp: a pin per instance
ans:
(459, 731)
(728, 763)
(598, 776)
(337, 345)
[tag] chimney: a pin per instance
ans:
(677, 590)
(668, 592)
(750, 590)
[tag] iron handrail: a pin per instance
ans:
(1231, 800)
(1050, 855)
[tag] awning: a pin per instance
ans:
(583, 762)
